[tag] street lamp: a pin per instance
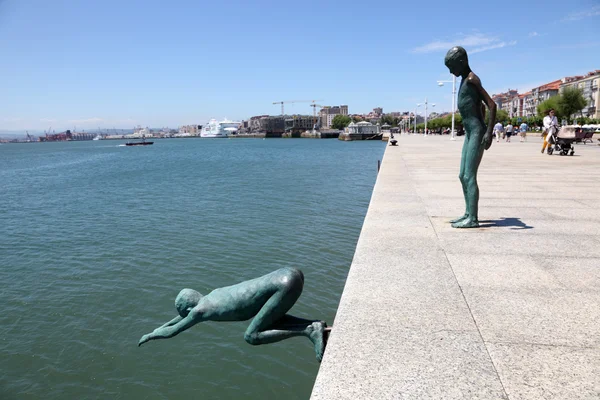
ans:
(418, 105)
(432, 105)
(441, 83)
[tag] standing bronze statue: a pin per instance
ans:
(266, 299)
(478, 137)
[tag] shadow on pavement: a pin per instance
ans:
(513, 223)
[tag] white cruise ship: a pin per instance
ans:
(215, 129)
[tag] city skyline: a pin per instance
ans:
(155, 64)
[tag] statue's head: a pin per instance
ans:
(186, 300)
(457, 60)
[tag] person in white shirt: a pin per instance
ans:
(550, 127)
(509, 131)
(498, 129)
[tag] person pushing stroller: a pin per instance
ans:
(550, 129)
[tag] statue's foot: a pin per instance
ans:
(467, 223)
(317, 335)
(460, 218)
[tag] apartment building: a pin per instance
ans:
(588, 84)
(515, 108)
(537, 95)
(503, 100)
(327, 114)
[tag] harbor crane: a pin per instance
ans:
(292, 101)
(314, 106)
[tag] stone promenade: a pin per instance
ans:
(510, 310)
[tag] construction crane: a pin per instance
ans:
(29, 137)
(292, 101)
(314, 106)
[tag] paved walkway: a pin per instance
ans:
(510, 310)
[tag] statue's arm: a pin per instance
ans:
(487, 139)
(165, 332)
(173, 321)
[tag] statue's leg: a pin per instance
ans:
(272, 324)
(473, 159)
(461, 176)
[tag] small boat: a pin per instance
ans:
(142, 143)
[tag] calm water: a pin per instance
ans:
(97, 240)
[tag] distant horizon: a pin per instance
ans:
(23, 132)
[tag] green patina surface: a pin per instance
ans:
(266, 299)
(472, 99)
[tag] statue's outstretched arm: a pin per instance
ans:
(165, 332)
(173, 321)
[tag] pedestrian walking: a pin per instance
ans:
(550, 126)
(509, 131)
(498, 129)
(523, 129)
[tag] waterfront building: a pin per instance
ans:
(278, 124)
(588, 84)
(299, 123)
(360, 131)
(525, 105)
(328, 113)
(529, 107)
(515, 106)
(533, 99)
(546, 91)
(190, 130)
(256, 124)
(504, 100)
(78, 136)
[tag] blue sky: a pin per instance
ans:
(123, 63)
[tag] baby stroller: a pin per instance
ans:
(562, 140)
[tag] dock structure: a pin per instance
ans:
(510, 310)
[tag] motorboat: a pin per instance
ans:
(142, 143)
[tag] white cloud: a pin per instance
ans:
(493, 46)
(575, 16)
(533, 34)
(475, 43)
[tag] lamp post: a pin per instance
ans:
(418, 105)
(432, 105)
(441, 83)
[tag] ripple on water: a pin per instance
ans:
(97, 241)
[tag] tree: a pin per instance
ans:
(571, 101)
(546, 105)
(340, 121)
(501, 116)
(388, 119)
